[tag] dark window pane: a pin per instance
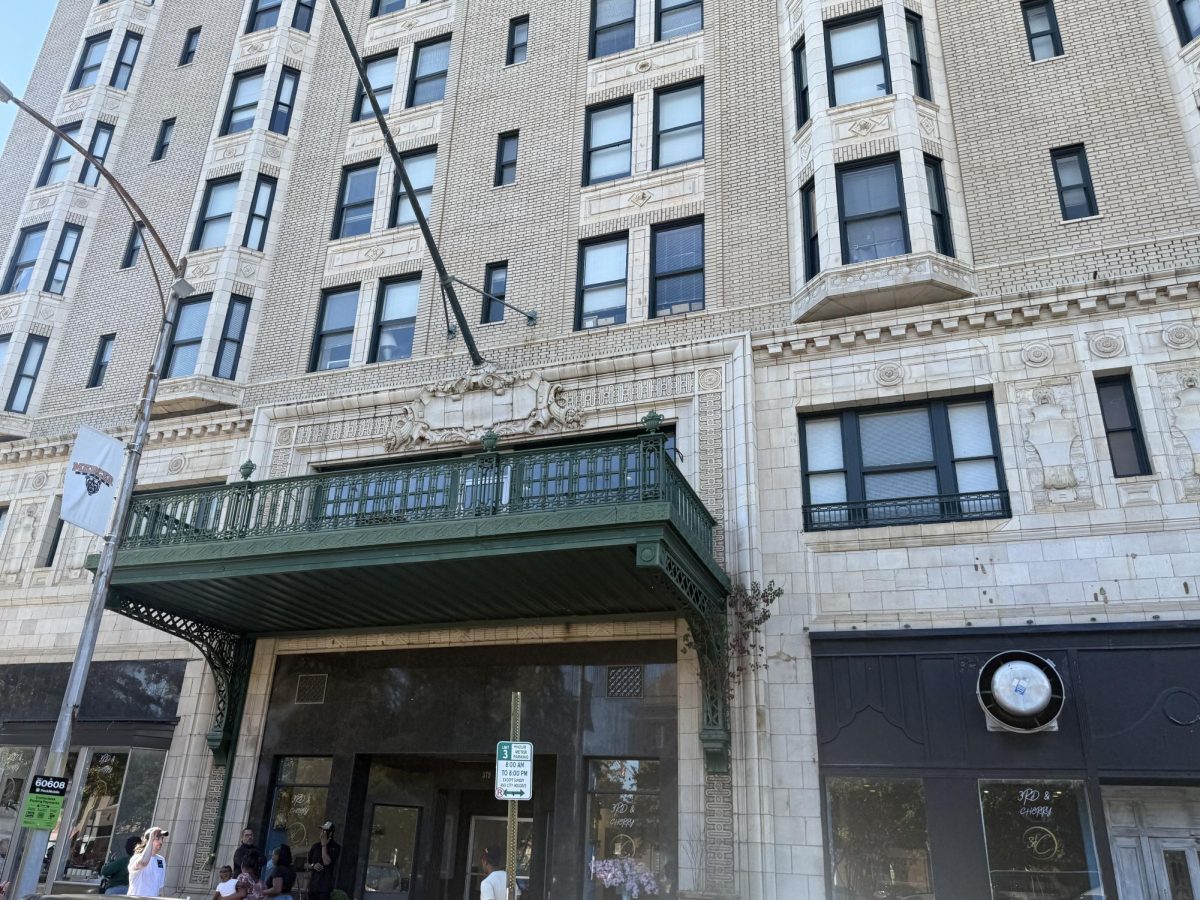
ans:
(1113, 406)
(1123, 445)
(896, 438)
(879, 843)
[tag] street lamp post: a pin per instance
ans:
(60, 744)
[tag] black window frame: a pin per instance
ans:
(228, 340)
(510, 53)
(1080, 152)
(55, 156)
(82, 70)
(379, 324)
(505, 166)
(946, 506)
(240, 76)
(21, 375)
(939, 208)
(191, 44)
(413, 79)
(810, 229)
(902, 211)
(681, 4)
(58, 259)
(398, 195)
(588, 149)
(123, 70)
(173, 344)
(259, 9)
(202, 218)
(319, 335)
(658, 133)
(800, 83)
(339, 213)
(491, 311)
(15, 267)
(281, 107)
(309, 9)
(362, 107)
(166, 131)
(89, 175)
(133, 247)
(270, 184)
(1054, 33)
(610, 238)
(919, 62)
(656, 276)
(100, 362)
(1186, 35)
(375, 4)
(630, 23)
(1125, 382)
(831, 70)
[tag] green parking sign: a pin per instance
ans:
(44, 802)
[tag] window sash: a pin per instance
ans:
(623, 144)
(383, 7)
(1187, 19)
(302, 18)
(800, 78)
(263, 14)
(691, 131)
(1126, 436)
(101, 360)
(879, 59)
(259, 221)
(64, 259)
(943, 239)
(429, 85)
(165, 132)
(338, 340)
(495, 282)
(285, 101)
(191, 43)
(1076, 197)
(183, 350)
(668, 272)
(612, 33)
(395, 328)
(233, 335)
(880, 215)
(216, 212)
(808, 219)
(133, 248)
(24, 259)
(1033, 33)
(518, 41)
(506, 159)
(677, 18)
(421, 166)
(596, 302)
(354, 216)
(27, 374)
(127, 59)
(915, 27)
(378, 69)
(58, 157)
(90, 61)
(99, 146)
(243, 101)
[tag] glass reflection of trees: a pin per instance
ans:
(624, 820)
(92, 825)
(301, 792)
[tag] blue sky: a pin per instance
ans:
(25, 24)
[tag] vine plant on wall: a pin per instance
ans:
(748, 609)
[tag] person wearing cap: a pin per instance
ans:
(116, 871)
(147, 868)
(322, 859)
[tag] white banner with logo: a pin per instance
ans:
(91, 481)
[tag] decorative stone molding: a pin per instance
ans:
(180, 395)
(1037, 354)
(626, 73)
(627, 393)
(1179, 336)
(1181, 395)
(910, 280)
(1054, 443)
(1106, 344)
(710, 380)
(889, 374)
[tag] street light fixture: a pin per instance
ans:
(60, 744)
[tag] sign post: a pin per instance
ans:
(514, 783)
(44, 802)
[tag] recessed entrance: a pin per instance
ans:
(1155, 834)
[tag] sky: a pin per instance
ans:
(25, 24)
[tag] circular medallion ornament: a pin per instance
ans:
(1179, 336)
(175, 466)
(1106, 344)
(710, 380)
(889, 374)
(644, 66)
(1038, 354)
(39, 481)
(284, 439)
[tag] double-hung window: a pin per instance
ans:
(678, 17)
(419, 166)
(101, 360)
(183, 351)
(335, 330)
(871, 203)
(101, 141)
(243, 101)
(677, 264)
(915, 27)
(395, 319)
(126, 61)
(90, 61)
(233, 334)
(808, 221)
(25, 257)
(1076, 197)
(383, 7)
(608, 153)
(381, 74)
(922, 462)
(64, 258)
(260, 213)
(518, 41)
(216, 212)
(133, 247)
(27, 373)
(263, 14)
(1122, 426)
(800, 76)
(58, 158)
(5, 342)
(1041, 29)
(612, 26)
(603, 278)
(431, 62)
(495, 284)
(678, 125)
(356, 200)
(1187, 19)
(302, 18)
(858, 66)
(165, 132)
(285, 101)
(506, 159)
(191, 43)
(943, 241)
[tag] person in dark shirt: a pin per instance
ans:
(116, 871)
(243, 848)
(322, 864)
(283, 876)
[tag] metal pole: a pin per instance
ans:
(443, 275)
(510, 852)
(60, 744)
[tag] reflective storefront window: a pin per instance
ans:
(1039, 840)
(624, 851)
(301, 790)
(15, 765)
(878, 842)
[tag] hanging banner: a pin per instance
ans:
(91, 481)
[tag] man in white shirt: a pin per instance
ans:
(147, 868)
(495, 882)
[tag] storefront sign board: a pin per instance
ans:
(514, 770)
(44, 802)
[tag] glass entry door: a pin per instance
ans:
(392, 852)
(492, 831)
(1176, 868)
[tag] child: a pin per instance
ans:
(228, 884)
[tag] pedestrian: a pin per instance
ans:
(115, 872)
(4, 888)
(147, 868)
(227, 886)
(248, 885)
(243, 848)
(283, 875)
(322, 862)
(495, 885)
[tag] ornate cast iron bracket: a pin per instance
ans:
(229, 656)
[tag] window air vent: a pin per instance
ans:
(625, 682)
(311, 688)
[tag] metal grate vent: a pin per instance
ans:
(625, 682)
(311, 688)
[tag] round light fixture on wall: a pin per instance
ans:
(1020, 692)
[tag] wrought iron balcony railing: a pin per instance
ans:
(907, 511)
(630, 470)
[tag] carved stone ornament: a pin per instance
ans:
(1179, 336)
(1038, 354)
(889, 374)
(1106, 344)
(1053, 435)
(461, 411)
(1186, 415)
